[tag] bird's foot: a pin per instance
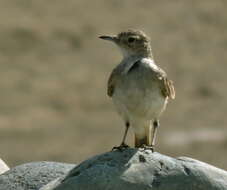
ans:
(147, 147)
(122, 147)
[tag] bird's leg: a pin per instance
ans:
(152, 136)
(154, 132)
(127, 125)
(123, 145)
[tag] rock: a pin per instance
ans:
(32, 176)
(130, 169)
(134, 169)
(3, 167)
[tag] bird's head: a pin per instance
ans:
(131, 42)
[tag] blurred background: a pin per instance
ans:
(54, 70)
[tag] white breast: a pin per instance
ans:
(135, 98)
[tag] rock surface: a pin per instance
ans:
(3, 167)
(32, 176)
(130, 169)
(134, 169)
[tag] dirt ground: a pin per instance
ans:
(54, 69)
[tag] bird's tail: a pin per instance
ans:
(144, 139)
(139, 141)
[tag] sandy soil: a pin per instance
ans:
(53, 73)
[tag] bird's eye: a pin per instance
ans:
(131, 39)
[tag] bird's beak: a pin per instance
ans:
(110, 38)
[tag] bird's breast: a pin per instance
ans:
(139, 97)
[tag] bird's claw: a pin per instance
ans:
(122, 147)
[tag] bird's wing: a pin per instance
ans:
(168, 88)
(166, 85)
(111, 83)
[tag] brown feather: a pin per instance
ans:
(140, 141)
(112, 82)
(168, 88)
(166, 85)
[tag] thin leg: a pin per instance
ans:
(123, 145)
(127, 125)
(154, 132)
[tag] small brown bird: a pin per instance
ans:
(138, 87)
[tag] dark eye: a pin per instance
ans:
(131, 39)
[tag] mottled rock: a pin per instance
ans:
(3, 167)
(32, 176)
(134, 169)
(130, 169)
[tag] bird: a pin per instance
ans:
(139, 88)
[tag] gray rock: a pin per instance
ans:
(32, 176)
(3, 167)
(134, 169)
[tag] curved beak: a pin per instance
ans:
(109, 38)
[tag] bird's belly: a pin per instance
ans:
(137, 101)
